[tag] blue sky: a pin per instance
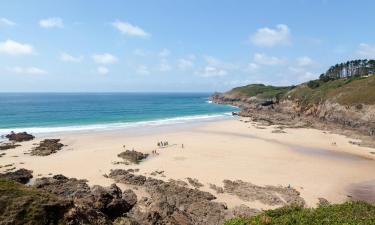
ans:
(101, 46)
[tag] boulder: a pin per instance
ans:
(47, 147)
(132, 156)
(19, 137)
(22, 176)
(95, 205)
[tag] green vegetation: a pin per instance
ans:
(347, 213)
(262, 91)
(353, 68)
(351, 91)
(346, 91)
(20, 204)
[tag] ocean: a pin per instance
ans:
(56, 112)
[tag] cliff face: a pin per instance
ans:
(349, 104)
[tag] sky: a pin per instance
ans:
(176, 45)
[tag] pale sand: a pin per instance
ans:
(214, 151)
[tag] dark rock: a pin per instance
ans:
(47, 147)
(171, 203)
(178, 182)
(22, 176)
(6, 146)
(218, 189)
(63, 186)
(124, 221)
(109, 201)
(132, 156)
(82, 214)
(126, 177)
(194, 182)
(270, 195)
(267, 103)
(244, 211)
(130, 197)
(96, 205)
(323, 201)
(19, 137)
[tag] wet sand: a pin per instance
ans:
(305, 159)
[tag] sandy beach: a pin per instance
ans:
(316, 163)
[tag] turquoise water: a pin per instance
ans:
(39, 112)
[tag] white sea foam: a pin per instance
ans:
(114, 126)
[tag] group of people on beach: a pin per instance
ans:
(162, 143)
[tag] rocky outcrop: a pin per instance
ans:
(22, 176)
(194, 182)
(21, 204)
(19, 137)
(269, 195)
(95, 205)
(63, 200)
(292, 113)
(172, 203)
(132, 156)
(47, 147)
(6, 146)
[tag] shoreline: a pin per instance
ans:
(119, 126)
(213, 151)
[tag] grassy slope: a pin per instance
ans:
(347, 213)
(344, 91)
(351, 91)
(20, 204)
(260, 91)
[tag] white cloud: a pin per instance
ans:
(185, 64)
(164, 66)
(28, 70)
(366, 50)
(142, 69)
(301, 74)
(51, 22)
(264, 59)
(267, 37)
(105, 58)
(103, 70)
(164, 53)
(6, 22)
(130, 30)
(251, 67)
(305, 61)
(15, 48)
(69, 58)
(211, 71)
(216, 67)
